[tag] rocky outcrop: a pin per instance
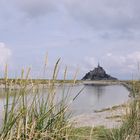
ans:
(98, 74)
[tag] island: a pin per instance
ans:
(98, 74)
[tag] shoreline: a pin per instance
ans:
(112, 117)
(109, 117)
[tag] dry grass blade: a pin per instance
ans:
(31, 114)
(55, 72)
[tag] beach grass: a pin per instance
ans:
(40, 117)
(130, 128)
(37, 116)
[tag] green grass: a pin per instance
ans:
(130, 129)
(41, 117)
(86, 133)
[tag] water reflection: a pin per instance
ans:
(92, 97)
(98, 91)
(98, 97)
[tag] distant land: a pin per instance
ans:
(98, 74)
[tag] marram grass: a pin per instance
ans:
(130, 129)
(40, 118)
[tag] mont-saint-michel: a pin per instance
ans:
(51, 85)
(98, 74)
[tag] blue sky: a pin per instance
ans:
(82, 33)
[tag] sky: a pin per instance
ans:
(81, 33)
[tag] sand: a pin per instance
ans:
(110, 117)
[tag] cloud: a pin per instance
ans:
(90, 62)
(119, 65)
(117, 15)
(5, 54)
(81, 32)
(109, 54)
(125, 64)
(36, 8)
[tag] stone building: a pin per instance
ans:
(98, 74)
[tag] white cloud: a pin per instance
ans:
(125, 64)
(82, 32)
(5, 54)
(109, 54)
(119, 65)
(89, 63)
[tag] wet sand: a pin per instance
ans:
(109, 117)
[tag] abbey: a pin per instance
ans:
(98, 74)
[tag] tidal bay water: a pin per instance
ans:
(99, 97)
(90, 99)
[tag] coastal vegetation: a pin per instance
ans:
(130, 128)
(36, 117)
(42, 117)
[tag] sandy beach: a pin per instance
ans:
(108, 117)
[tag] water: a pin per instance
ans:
(99, 97)
(90, 99)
